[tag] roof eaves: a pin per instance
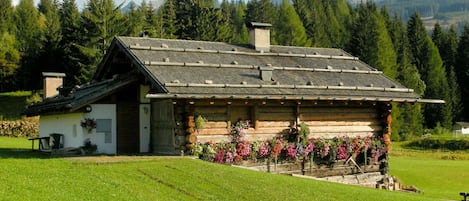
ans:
(288, 97)
(140, 66)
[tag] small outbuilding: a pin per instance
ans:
(461, 127)
(147, 93)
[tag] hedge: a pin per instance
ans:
(441, 143)
(19, 128)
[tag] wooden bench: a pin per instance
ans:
(43, 143)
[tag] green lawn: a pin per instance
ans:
(431, 171)
(34, 176)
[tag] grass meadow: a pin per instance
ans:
(26, 175)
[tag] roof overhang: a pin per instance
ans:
(299, 98)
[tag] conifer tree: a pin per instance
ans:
(462, 70)
(168, 12)
(447, 44)
(371, 42)
(185, 15)
(136, 19)
(240, 31)
(28, 34)
(74, 62)
(260, 11)
(407, 117)
(51, 53)
(102, 21)
(290, 30)
(426, 58)
(6, 17)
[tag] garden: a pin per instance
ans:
(295, 147)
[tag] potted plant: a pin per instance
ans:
(88, 123)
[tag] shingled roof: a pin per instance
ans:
(201, 69)
(184, 69)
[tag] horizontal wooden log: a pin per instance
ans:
(276, 117)
(215, 124)
(338, 116)
(227, 138)
(336, 110)
(213, 131)
(339, 134)
(215, 117)
(284, 109)
(331, 129)
(342, 123)
(251, 131)
(268, 124)
(210, 110)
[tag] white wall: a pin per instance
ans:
(74, 134)
(465, 130)
(67, 124)
(104, 111)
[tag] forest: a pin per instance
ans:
(55, 36)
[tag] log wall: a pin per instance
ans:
(324, 121)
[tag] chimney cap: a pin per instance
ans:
(259, 25)
(52, 74)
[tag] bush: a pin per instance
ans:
(21, 128)
(452, 144)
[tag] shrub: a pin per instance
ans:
(452, 144)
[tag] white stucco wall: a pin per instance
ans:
(465, 130)
(74, 134)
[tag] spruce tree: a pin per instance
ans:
(136, 19)
(426, 57)
(74, 62)
(185, 15)
(371, 42)
(240, 33)
(168, 12)
(102, 21)
(28, 34)
(462, 70)
(260, 11)
(51, 53)
(447, 44)
(290, 30)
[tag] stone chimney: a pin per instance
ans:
(259, 36)
(51, 83)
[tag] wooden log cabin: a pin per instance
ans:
(147, 94)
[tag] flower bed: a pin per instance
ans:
(319, 150)
(364, 150)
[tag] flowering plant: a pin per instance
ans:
(319, 150)
(238, 131)
(88, 147)
(88, 123)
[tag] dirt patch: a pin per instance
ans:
(120, 159)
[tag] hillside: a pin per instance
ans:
(447, 12)
(12, 104)
(30, 176)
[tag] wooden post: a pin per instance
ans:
(255, 116)
(298, 120)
